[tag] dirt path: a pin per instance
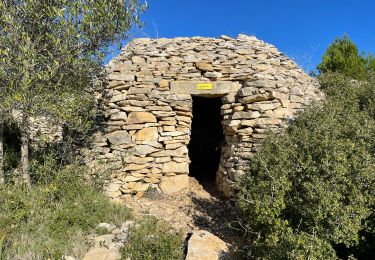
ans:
(196, 208)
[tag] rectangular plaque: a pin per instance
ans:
(204, 86)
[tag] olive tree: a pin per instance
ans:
(50, 52)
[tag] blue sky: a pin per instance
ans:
(301, 29)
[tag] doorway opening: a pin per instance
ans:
(206, 139)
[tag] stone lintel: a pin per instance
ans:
(205, 89)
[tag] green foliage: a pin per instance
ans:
(54, 217)
(342, 56)
(151, 239)
(51, 52)
(311, 188)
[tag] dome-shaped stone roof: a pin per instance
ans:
(148, 106)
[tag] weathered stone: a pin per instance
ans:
(137, 160)
(138, 60)
(254, 98)
(141, 117)
(119, 116)
(170, 185)
(118, 98)
(102, 253)
(246, 115)
(179, 152)
(121, 76)
(118, 137)
(175, 167)
(204, 66)
(249, 91)
(163, 83)
(131, 179)
(144, 150)
(263, 106)
(213, 74)
(147, 134)
(203, 245)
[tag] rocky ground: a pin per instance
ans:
(208, 221)
(196, 208)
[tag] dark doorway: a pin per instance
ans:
(206, 138)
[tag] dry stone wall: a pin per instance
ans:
(147, 104)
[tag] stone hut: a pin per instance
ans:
(194, 106)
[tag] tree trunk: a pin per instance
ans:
(2, 177)
(25, 140)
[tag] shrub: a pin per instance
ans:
(154, 240)
(54, 217)
(310, 189)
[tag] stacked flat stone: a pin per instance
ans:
(42, 129)
(147, 104)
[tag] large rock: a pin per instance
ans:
(100, 253)
(147, 134)
(141, 117)
(174, 184)
(119, 137)
(203, 245)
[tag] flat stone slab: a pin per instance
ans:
(99, 253)
(205, 89)
(203, 245)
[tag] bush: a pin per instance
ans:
(54, 217)
(154, 240)
(310, 189)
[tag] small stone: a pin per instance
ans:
(140, 194)
(213, 74)
(138, 60)
(151, 180)
(204, 66)
(131, 178)
(163, 83)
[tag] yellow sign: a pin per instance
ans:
(204, 86)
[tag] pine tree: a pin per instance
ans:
(342, 56)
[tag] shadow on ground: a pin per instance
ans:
(220, 217)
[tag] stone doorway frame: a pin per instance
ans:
(210, 89)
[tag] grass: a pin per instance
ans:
(152, 239)
(54, 218)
